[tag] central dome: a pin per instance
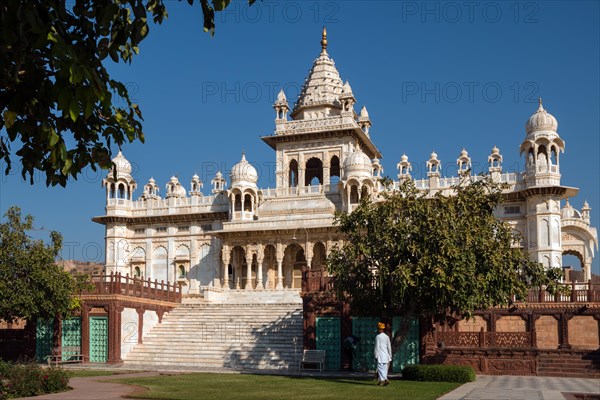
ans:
(243, 172)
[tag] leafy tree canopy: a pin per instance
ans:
(32, 285)
(56, 97)
(431, 256)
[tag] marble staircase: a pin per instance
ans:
(209, 336)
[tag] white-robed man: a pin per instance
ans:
(383, 354)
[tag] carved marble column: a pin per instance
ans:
(308, 253)
(248, 285)
(301, 177)
(279, 251)
(225, 255)
(260, 256)
(326, 169)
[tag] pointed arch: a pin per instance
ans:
(293, 173)
(314, 172)
(354, 194)
(334, 170)
(319, 258)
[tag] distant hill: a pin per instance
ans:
(86, 267)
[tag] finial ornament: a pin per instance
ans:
(540, 106)
(324, 41)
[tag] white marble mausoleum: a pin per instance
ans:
(242, 242)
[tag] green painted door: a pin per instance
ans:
(99, 339)
(329, 339)
(364, 328)
(408, 352)
(71, 337)
(43, 339)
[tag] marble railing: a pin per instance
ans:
(299, 191)
(511, 178)
(304, 126)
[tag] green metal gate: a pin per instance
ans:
(71, 337)
(44, 329)
(366, 330)
(329, 339)
(98, 339)
(408, 352)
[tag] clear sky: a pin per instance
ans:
(434, 76)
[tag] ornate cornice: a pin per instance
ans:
(152, 219)
(134, 301)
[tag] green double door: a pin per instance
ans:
(328, 335)
(365, 328)
(98, 339)
(71, 337)
(329, 339)
(408, 352)
(44, 330)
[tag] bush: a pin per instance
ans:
(30, 379)
(439, 373)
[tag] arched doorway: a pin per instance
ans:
(314, 172)
(294, 262)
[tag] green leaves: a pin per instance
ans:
(58, 47)
(31, 284)
(431, 255)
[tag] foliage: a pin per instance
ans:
(439, 373)
(32, 285)
(59, 106)
(264, 387)
(431, 256)
(29, 379)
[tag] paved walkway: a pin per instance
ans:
(522, 388)
(484, 388)
(90, 388)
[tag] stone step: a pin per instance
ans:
(204, 335)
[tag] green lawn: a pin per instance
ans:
(264, 387)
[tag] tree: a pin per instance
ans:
(431, 256)
(57, 100)
(32, 285)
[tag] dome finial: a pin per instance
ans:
(324, 41)
(540, 106)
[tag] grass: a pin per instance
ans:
(266, 387)
(84, 373)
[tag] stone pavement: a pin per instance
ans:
(484, 388)
(91, 388)
(522, 388)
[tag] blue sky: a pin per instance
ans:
(434, 76)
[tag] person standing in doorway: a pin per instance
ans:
(383, 355)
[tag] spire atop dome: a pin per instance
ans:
(320, 93)
(324, 41)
